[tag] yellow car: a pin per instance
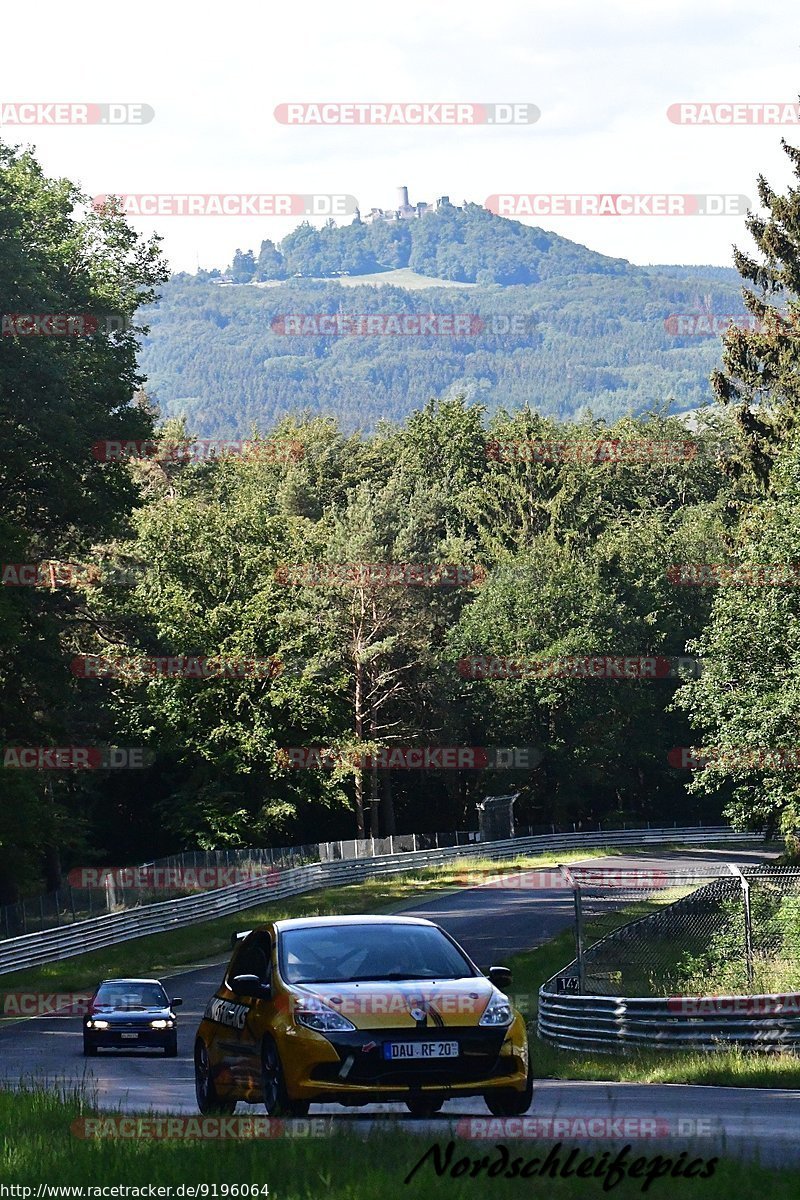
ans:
(357, 1010)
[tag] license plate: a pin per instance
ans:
(129, 1035)
(403, 1050)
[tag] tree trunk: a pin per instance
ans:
(359, 773)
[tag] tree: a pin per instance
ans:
(243, 267)
(761, 367)
(745, 708)
(270, 263)
(60, 395)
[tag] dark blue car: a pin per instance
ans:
(127, 1014)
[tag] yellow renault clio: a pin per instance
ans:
(356, 1010)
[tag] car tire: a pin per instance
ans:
(208, 1101)
(273, 1083)
(424, 1106)
(504, 1102)
(171, 1047)
(89, 1049)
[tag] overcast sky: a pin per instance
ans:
(603, 76)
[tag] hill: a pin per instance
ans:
(575, 332)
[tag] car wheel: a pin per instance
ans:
(273, 1082)
(89, 1049)
(424, 1106)
(171, 1047)
(208, 1101)
(507, 1103)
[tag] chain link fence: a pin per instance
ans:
(94, 890)
(724, 931)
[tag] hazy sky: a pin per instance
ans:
(603, 76)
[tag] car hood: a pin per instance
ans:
(408, 1004)
(131, 1016)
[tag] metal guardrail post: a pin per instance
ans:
(748, 924)
(577, 900)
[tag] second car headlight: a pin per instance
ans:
(323, 1019)
(161, 1024)
(498, 1011)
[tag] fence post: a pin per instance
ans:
(748, 924)
(577, 899)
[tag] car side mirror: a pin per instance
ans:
(176, 1002)
(249, 985)
(500, 976)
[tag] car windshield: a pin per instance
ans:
(350, 953)
(131, 995)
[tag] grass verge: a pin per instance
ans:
(39, 1147)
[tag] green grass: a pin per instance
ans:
(38, 1147)
(402, 277)
(166, 953)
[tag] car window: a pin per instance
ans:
(254, 957)
(338, 953)
(131, 995)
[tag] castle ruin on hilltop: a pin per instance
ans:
(404, 210)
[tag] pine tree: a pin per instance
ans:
(760, 373)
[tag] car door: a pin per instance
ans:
(243, 1046)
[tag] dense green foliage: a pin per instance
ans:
(469, 245)
(571, 345)
(58, 394)
(570, 556)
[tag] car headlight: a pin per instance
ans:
(498, 1011)
(323, 1019)
(97, 1024)
(160, 1024)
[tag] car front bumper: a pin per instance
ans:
(350, 1067)
(121, 1039)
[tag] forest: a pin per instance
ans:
(336, 578)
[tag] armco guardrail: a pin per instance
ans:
(52, 945)
(608, 1024)
(573, 1020)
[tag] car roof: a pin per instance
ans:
(321, 922)
(129, 979)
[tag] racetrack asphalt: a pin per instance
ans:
(492, 924)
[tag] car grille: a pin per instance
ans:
(479, 1058)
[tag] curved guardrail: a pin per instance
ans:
(52, 945)
(608, 1024)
